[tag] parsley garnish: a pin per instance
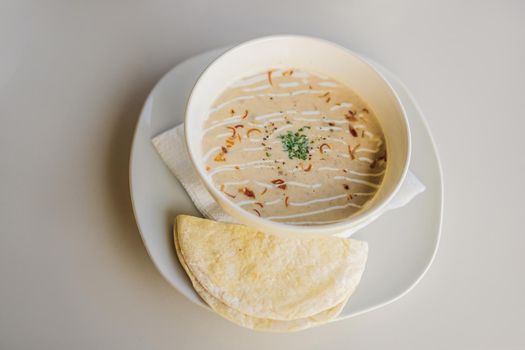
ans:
(295, 144)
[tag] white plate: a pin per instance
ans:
(402, 242)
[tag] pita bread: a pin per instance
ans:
(268, 276)
(253, 322)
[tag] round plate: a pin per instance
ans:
(402, 242)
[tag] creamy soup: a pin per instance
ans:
(294, 147)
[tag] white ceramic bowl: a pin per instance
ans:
(309, 54)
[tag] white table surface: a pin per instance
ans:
(74, 273)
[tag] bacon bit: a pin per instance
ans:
(383, 157)
(350, 197)
(226, 193)
(259, 204)
(328, 99)
(352, 130)
(280, 184)
(245, 114)
(346, 187)
(230, 142)
(362, 134)
(208, 168)
(237, 167)
(331, 124)
(247, 192)
(308, 168)
(373, 165)
(263, 192)
(324, 145)
(350, 116)
(325, 94)
(232, 111)
(252, 130)
(365, 110)
(256, 211)
(352, 150)
(345, 171)
(224, 150)
(234, 131)
(270, 76)
(286, 200)
(219, 157)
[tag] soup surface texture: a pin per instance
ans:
(294, 147)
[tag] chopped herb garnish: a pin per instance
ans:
(295, 144)
(268, 154)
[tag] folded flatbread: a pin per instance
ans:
(265, 281)
(254, 322)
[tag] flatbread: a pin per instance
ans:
(268, 276)
(255, 323)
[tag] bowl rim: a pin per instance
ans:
(360, 218)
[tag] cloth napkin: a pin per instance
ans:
(171, 146)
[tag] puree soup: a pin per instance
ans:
(294, 147)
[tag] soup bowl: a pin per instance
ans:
(308, 54)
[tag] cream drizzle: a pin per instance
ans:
(252, 201)
(300, 184)
(367, 150)
(253, 149)
(341, 105)
(291, 84)
(367, 174)
(239, 98)
(223, 134)
(284, 127)
(307, 91)
(319, 200)
(255, 79)
(241, 166)
(266, 122)
(249, 97)
(274, 114)
(327, 168)
(231, 121)
(351, 179)
(328, 84)
(210, 152)
(365, 159)
(257, 88)
(325, 210)
(352, 171)
(231, 183)
(314, 112)
(360, 149)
